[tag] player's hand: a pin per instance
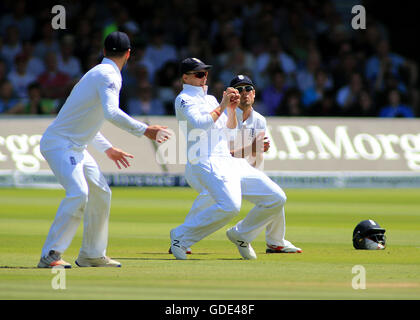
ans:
(158, 133)
(235, 97)
(231, 98)
(266, 144)
(119, 156)
(259, 144)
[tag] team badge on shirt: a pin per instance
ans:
(112, 86)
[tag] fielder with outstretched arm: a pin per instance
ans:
(94, 99)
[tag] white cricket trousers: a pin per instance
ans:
(221, 183)
(87, 195)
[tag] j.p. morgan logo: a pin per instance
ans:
(340, 147)
(312, 143)
(21, 150)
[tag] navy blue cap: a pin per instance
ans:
(241, 79)
(193, 64)
(117, 41)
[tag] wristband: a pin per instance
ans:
(216, 112)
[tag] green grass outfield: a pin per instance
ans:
(321, 222)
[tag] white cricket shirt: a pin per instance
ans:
(205, 138)
(94, 99)
(249, 129)
(254, 122)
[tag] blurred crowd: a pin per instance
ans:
(303, 56)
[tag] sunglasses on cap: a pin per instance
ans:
(200, 74)
(246, 88)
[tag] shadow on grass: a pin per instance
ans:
(168, 254)
(17, 267)
(173, 259)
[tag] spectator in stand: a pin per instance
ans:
(305, 77)
(315, 93)
(35, 65)
(83, 39)
(164, 83)
(344, 65)
(291, 105)
(92, 60)
(159, 52)
(274, 57)
(37, 104)
(273, 95)
(54, 84)
(167, 74)
(390, 82)
(24, 22)
(363, 106)
(3, 71)
(132, 75)
(11, 46)
(143, 61)
(252, 38)
(9, 103)
(197, 46)
(125, 22)
(144, 103)
(66, 62)
(325, 106)
(396, 109)
(348, 94)
(385, 61)
(235, 59)
(20, 78)
(172, 92)
(236, 64)
(216, 89)
(48, 42)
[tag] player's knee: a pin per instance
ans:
(281, 197)
(101, 193)
(231, 206)
(101, 200)
(276, 199)
(82, 198)
(107, 194)
(79, 201)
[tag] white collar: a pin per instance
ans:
(195, 89)
(240, 114)
(112, 63)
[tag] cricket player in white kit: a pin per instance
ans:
(94, 99)
(252, 127)
(211, 169)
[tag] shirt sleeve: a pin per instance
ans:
(101, 143)
(190, 112)
(109, 95)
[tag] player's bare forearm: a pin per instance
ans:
(232, 121)
(240, 152)
(230, 100)
(215, 114)
(158, 133)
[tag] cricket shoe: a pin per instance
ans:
(53, 260)
(287, 248)
(187, 252)
(97, 262)
(179, 251)
(245, 248)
